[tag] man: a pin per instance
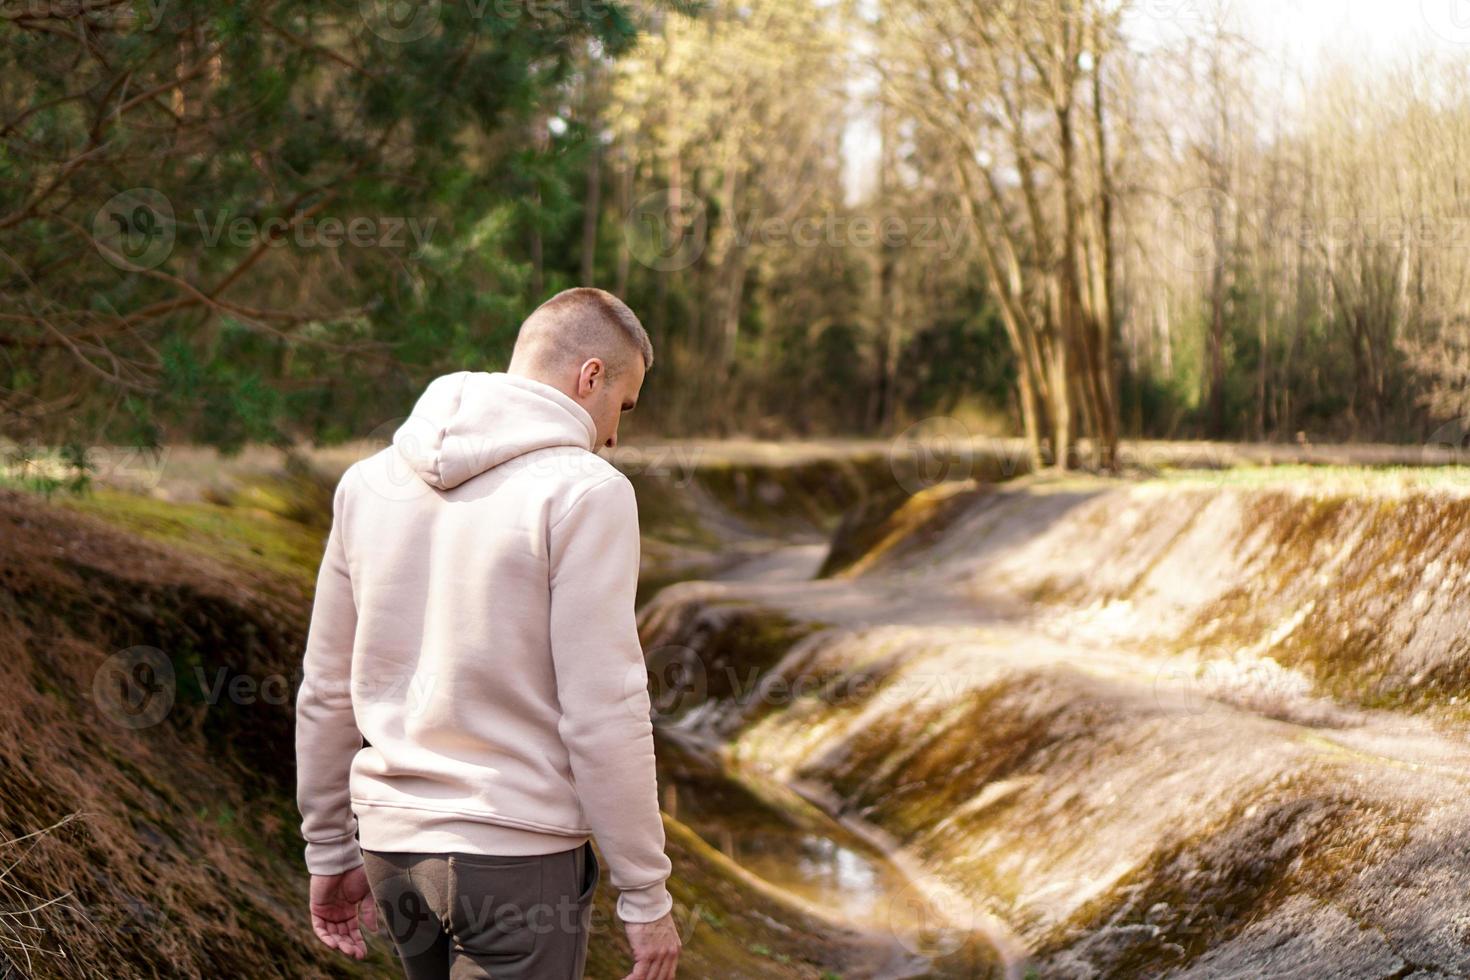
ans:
(473, 663)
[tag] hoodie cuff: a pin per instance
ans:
(333, 857)
(645, 904)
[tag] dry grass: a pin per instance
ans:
(157, 851)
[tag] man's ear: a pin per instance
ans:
(593, 373)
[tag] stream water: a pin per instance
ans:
(843, 876)
(776, 835)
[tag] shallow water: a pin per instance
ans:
(777, 836)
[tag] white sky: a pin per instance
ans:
(1300, 30)
(1296, 32)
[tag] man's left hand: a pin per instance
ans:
(336, 902)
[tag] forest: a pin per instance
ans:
(1073, 220)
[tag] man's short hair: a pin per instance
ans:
(581, 323)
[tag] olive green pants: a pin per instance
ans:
(473, 916)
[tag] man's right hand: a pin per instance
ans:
(656, 948)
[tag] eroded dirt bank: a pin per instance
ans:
(1208, 726)
(146, 833)
(147, 827)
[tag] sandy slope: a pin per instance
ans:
(1203, 727)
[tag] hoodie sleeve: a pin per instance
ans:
(326, 729)
(603, 688)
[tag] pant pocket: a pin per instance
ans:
(591, 875)
(495, 903)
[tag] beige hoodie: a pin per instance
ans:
(473, 659)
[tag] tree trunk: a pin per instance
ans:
(592, 212)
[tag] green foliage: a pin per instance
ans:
(229, 293)
(963, 353)
(1311, 382)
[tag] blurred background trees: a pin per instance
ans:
(834, 217)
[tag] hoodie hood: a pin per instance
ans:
(472, 421)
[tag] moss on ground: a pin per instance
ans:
(253, 539)
(1301, 837)
(1355, 565)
